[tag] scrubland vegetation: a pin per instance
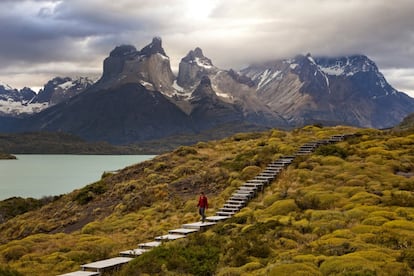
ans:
(347, 209)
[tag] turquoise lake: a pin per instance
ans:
(38, 175)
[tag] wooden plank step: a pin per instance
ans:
(133, 252)
(288, 157)
(216, 218)
(241, 198)
(149, 245)
(274, 169)
(246, 192)
(253, 184)
(265, 180)
(81, 273)
(232, 206)
(169, 237)
(198, 225)
(276, 165)
(230, 209)
(260, 181)
(222, 213)
(183, 231)
(268, 178)
(236, 205)
(250, 188)
(100, 266)
(235, 202)
(240, 195)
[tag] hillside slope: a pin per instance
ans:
(344, 209)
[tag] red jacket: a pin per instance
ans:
(202, 202)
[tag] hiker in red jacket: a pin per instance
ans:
(202, 206)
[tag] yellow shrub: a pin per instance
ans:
(297, 269)
(282, 207)
(365, 198)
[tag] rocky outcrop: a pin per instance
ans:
(60, 89)
(149, 67)
(7, 93)
(193, 67)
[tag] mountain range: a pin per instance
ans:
(138, 97)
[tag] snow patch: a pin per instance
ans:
(17, 108)
(311, 59)
(66, 85)
(333, 70)
(203, 63)
(223, 95)
(293, 66)
(177, 87)
(6, 86)
(267, 76)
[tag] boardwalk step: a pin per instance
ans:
(182, 231)
(250, 188)
(169, 237)
(234, 202)
(228, 214)
(229, 209)
(216, 218)
(133, 252)
(149, 245)
(198, 225)
(100, 266)
(81, 273)
(226, 205)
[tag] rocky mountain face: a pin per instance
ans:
(150, 67)
(193, 67)
(15, 103)
(123, 114)
(60, 89)
(345, 90)
(229, 87)
(138, 98)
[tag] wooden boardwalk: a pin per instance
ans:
(237, 201)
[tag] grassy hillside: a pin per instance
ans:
(407, 123)
(347, 209)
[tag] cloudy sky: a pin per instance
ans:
(41, 39)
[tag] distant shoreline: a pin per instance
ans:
(6, 156)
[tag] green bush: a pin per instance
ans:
(185, 150)
(89, 192)
(196, 255)
(332, 150)
(348, 265)
(282, 207)
(297, 269)
(14, 253)
(407, 256)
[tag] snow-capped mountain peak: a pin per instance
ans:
(346, 66)
(5, 86)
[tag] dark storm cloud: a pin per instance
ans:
(41, 36)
